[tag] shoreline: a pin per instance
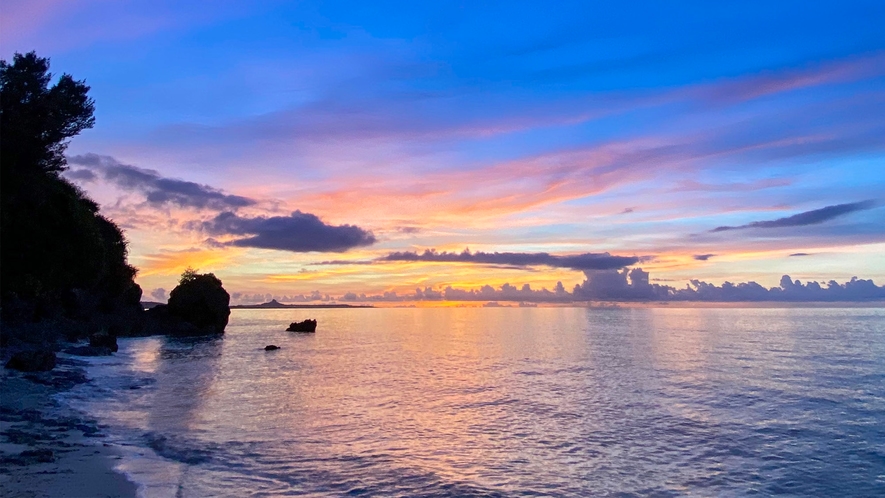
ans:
(49, 449)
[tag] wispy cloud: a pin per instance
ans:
(158, 190)
(812, 217)
(586, 261)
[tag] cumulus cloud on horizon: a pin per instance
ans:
(157, 189)
(633, 285)
(298, 232)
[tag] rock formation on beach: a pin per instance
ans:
(32, 361)
(199, 305)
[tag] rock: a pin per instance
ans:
(41, 455)
(103, 340)
(32, 361)
(305, 326)
(89, 351)
(201, 301)
(271, 347)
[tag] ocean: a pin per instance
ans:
(503, 402)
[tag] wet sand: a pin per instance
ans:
(49, 450)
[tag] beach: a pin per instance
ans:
(48, 449)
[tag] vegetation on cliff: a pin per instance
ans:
(59, 257)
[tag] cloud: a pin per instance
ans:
(633, 285)
(157, 189)
(797, 254)
(298, 232)
(80, 175)
(703, 257)
(586, 261)
(506, 292)
(258, 298)
(813, 217)
(613, 285)
(343, 262)
(159, 295)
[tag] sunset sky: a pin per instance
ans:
(294, 147)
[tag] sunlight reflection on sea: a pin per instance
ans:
(505, 401)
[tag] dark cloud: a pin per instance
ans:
(80, 175)
(813, 217)
(298, 232)
(343, 262)
(797, 254)
(587, 261)
(157, 189)
(703, 257)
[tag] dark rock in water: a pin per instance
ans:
(305, 326)
(32, 361)
(271, 347)
(201, 301)
(103, 340)
(89, 351)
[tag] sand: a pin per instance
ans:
(49, 450)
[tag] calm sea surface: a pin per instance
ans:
(504, 402)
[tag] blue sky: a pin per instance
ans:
(633, 128)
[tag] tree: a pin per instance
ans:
(36, 120)
(53, 238)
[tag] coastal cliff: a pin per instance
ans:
(64, 272)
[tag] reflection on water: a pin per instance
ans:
(488, 401)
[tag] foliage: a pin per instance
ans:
(53, 238)
(37, 119)
(189, 275)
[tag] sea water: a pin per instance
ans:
(504, 402)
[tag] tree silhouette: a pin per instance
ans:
(53, 238)
(37, 120)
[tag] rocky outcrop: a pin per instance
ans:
(199, 305)
(103, 340)
(305, 326)
(32, 361)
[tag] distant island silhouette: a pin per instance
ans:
(274, 304)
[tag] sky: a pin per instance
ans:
(355, 151)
